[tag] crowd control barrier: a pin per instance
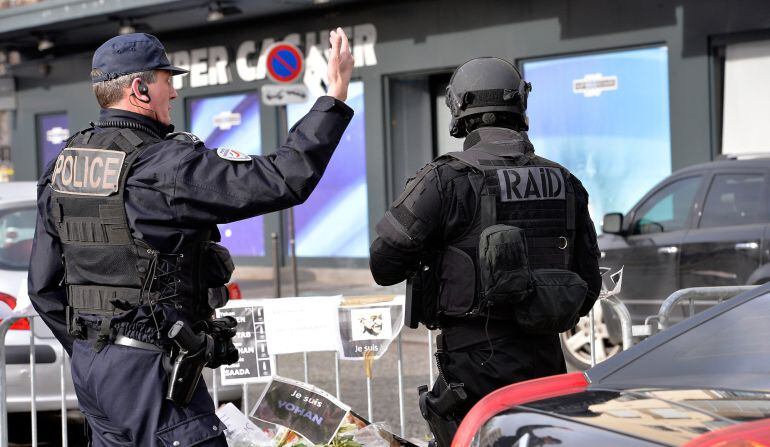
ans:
(690, 297)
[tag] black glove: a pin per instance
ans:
(222, 330)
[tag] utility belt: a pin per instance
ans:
(99, 332)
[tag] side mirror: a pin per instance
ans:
(613, 223)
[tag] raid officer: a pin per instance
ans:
(480, 233)
(125, 268)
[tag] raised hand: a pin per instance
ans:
(340, 66)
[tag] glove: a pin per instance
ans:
(222, 330)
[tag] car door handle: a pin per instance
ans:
(746, 246)
(671, 250)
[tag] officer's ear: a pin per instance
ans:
(140, 90)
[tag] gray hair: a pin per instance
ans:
(111, 91)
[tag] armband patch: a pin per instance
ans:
(232, 154)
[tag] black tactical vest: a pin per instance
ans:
(107, 270)
(521, 190)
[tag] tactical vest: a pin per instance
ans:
(520, 190)
(108, 271)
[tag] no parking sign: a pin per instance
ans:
(284, 62)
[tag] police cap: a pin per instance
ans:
(130, 53)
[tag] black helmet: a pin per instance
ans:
(485, 84)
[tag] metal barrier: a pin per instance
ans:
(705, 295)
(693, 295)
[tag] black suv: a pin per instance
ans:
(705, 225)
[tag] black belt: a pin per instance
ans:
(133, 343)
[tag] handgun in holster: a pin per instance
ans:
(208, 343)
(439, 411)
(191, 353)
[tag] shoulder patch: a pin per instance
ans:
(184, 136)
(232, 154)
(89, 172)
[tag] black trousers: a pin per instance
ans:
(486, 365)
(122, 392)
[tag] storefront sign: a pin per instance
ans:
(301, 407)
(255, 363)
(593, 85)
(212, 66)
(369, 325)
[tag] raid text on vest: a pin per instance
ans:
(531, 183)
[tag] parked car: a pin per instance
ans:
(17, 226)
(702, 383)
(705, 225)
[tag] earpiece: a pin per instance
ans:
(144, 91)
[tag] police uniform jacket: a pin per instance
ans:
(442, 203)
(177, 188)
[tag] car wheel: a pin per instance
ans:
(576, 342)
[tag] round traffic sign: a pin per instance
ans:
(284, 62)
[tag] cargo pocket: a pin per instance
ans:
(504, 267)
(553, 306)
(458, 283)
(192, 432)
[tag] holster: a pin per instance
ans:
(193, 351)
(440, 410)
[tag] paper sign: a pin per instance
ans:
(255, 364)
(368, 325)
(239, 427)
(303, 408)
(306, 324)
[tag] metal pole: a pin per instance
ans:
(245, 399)
(593, 337)
(712, 293)
(401, 418)
(33, 390)
(215, 387)
(4, 326)
(430, 358)
(307, 372)
(293, 251)
(337, 373)
(692, 307)
(369, 397)
(63, 386)
(276, 266)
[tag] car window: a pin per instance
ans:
(730, 350)
(17, 229)
(667, 209)
(735, 199)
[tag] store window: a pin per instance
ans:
(232, 121)
(746, 95)
(333, 222)
(52, 131)
(605, 117)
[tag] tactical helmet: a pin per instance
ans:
(485, 84)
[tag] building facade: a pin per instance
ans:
(624, 92)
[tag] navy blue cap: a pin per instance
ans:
(130, 53)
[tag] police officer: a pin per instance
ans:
(458, 203)
(125, 252)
